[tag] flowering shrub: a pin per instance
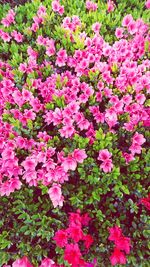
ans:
(74, 132)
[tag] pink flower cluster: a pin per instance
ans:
(105, 157)
(38, 19)
(9, 19)
(71, 23)
(24, 262)
(122, 243)
(57, 7)
(70, 237)
(91, 6)
(137, 141)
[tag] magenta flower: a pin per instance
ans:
(117, 257)
(110, 6)
(104, 155)
(115, 233)
(127, 20)
(61, 238)
(147, 4)
(72, 254)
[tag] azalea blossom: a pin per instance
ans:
(117, 257)
(55, 195)
(104, 155)
(23, 262)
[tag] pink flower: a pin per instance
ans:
(55, 195)
(96, 27)
(61, 57)
(127, 20)
(79, 155)
(135, 148)
(107, 165)
(147, 4)
(104, 155)
(67, 131)
(29, 164)
(117, 257)
(9, 19)
(88, 241)
(110, 6)
(61, 238)
(9, 186)
(91, 6)
(69, 163)
(139, 139)
(119, 32)
(55, 6)
(5, 36)
(23, 262)
(47, 263)
(128, 157)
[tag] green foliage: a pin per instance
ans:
(27, 218)
(28, 222)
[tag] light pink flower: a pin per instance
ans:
(128, 157)
(69, 163)
(138, 138)
(29, 164)
(23, 262)
(107, 165)
(79, 155)
(91, 6)
(135, 148)
(127, 20)
(47, 263)
(55, 195)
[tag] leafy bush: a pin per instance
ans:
(74, 127)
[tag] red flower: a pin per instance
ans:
(72, 254)
(75, 232)
(75, 218)
(88, 240)
(146, 202)
(115, 233)
(85, 219)
(123, 243)
(117, 257)
(61, 238)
